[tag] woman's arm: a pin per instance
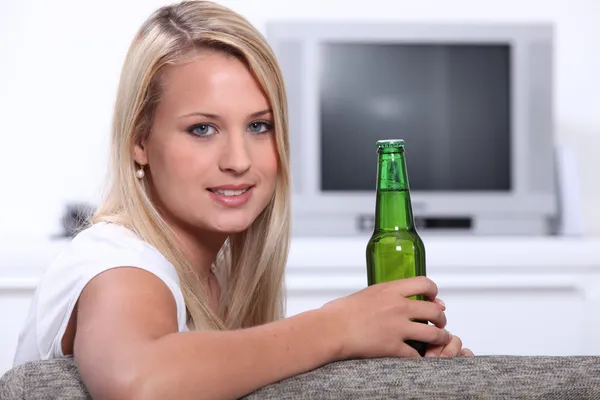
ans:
(127, 345)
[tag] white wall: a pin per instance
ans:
(61, 61)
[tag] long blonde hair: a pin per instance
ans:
(251, 264)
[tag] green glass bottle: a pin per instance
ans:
(395, 250)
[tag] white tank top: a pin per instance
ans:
(100, 247)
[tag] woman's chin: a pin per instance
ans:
(235, 229)
(230, 227)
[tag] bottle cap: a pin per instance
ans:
(387, 143)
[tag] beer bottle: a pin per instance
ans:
(395, 250)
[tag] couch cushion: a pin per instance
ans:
(54, 379)
(498, 377)
(502, 377)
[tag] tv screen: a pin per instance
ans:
(449, 102)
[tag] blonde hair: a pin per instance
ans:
(251, 264)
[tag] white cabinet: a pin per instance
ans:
(22, 261)
(523, 296)
(14, 304)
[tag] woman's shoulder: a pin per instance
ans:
(103, 246)
(111, 237)
(96, 249)
(111, 243)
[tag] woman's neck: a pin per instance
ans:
(200, 249)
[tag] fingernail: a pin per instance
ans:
(429, 355)
(442, 302)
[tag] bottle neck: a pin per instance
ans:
(393, 210)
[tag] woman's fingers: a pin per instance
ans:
(452, 349)
(427, 333)
(441, 303)
(466, 353)
(420, 310)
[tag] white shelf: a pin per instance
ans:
(349, 252)
(458, 252)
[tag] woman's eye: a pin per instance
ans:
(202, 130)
(260, 127)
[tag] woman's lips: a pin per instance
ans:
(229, 197)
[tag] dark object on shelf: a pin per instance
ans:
(75, 218)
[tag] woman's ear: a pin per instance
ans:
(139, 154)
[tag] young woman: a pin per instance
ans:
(175, 288)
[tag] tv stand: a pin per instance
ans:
(352, 224)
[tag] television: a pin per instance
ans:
(473, 103)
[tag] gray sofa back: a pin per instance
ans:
(506, 377)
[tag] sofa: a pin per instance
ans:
(480, 377)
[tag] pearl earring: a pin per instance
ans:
(140, 172)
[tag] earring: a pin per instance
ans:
(140, 172)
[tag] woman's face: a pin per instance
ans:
(211, 158)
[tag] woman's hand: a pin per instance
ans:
(376, 321)
(452, 349)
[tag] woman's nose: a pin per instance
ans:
(235, 156)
